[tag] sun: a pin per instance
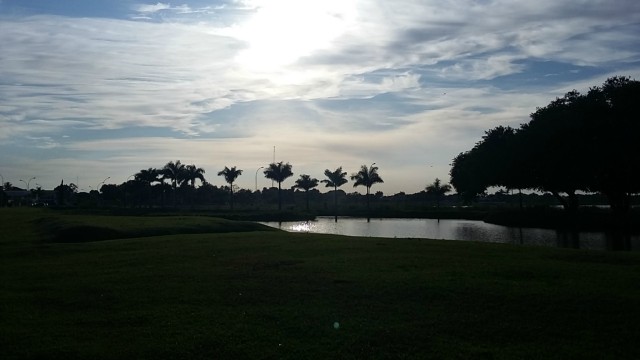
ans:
(282, 31)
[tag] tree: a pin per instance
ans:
(437, 190)
(148, 177)
(554, 149)
(190, 174)
(615, 126)
(3, 196)
(493, 161)
(193, 173)
(367, 176)
(278, 172)
(463, 170)
(576, 143)
(174, 172)
(230, 175)
(64, 193)
(306, 183)
(335, 179)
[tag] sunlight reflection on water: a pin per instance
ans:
(451, 229)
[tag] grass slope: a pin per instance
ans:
(276, 295)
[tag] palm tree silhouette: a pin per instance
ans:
(230, 175)
(148, 177)
(278, 172)
(306, 183)
(193, 173)
(367, 176)
(174, 172)
(438, 190)
(335, 179)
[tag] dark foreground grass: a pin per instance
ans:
(275, 295)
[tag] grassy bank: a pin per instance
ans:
(196, 288)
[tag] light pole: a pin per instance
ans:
(28, 182)
(261, 167)
(102, 182)
(126, 186)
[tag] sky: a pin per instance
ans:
(93, 91)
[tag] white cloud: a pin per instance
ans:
(149, 8)
(254, 74)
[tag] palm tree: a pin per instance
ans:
(367, 176)
(278, 172)
(306, 183)
(175, 173)
(438, 190)
(230, 175)
(148, 177)
(335, 179)
(193, 173)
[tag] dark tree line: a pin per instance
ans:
(175, 185)
(577, 143)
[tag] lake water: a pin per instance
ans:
(470, 230)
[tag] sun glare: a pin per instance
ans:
(282, 31)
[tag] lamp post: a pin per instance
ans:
(126, 186)
(28, 182)
(261, 167)
(102, 182)
(98, 201)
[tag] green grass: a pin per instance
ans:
(216, 293)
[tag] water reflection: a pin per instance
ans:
(469, 230)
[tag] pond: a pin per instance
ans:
(468, 230)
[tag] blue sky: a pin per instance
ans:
(105, 88)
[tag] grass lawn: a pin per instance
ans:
(174, 287)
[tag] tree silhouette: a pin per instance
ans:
(615, 124)
(367, 176)
(278, 172)
(193, 173)
(174, 172)
(335, 179)
(553, 147)
(230, 175)
(148, 177)
(499, 159)
(64, 193)
(190, 174)
(438, 190)
(576, 143)
(306, 183)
